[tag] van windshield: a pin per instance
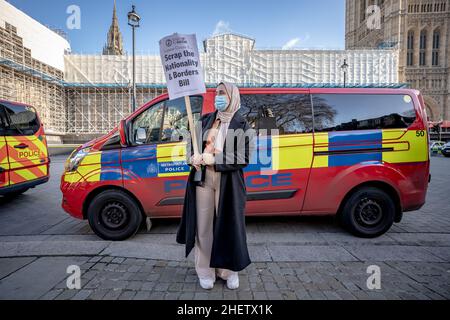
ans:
(17, 120)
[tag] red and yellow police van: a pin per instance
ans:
(360, 154)
(24, 161)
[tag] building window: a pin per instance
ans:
(410, 49)
(362, 10)
(423, 48)
(435, 54)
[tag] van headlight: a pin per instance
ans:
(75, 159)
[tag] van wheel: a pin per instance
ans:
(114, 215)
(368, 213)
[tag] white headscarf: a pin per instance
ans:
(226, 116)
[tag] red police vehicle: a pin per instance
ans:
(358, 153)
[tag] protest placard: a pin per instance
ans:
(181, 63)
(184, 76)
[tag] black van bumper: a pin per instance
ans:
(24, 185)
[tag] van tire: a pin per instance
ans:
(114, 215)
(368, 213)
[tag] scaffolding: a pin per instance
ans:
(27, 80)
(98, 88)
(233, 57)
(98, 109)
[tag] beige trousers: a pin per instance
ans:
(207, 199)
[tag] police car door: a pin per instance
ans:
(277, 176)
(154, 167)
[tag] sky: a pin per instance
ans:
(273, 24)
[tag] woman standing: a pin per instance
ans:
(213, 221)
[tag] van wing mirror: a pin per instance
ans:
(141, 135)
(123, 133)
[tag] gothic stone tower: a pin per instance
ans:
(114, 45)
(420, 29)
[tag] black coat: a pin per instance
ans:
(229, 249)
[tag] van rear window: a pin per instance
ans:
(342, 112)
(288, 113)
(17, 120)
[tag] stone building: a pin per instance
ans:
(420, 30)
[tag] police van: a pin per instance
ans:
(358, 153)
(24, 161)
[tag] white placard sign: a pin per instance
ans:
(181, 63)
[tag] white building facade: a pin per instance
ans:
(234, 58)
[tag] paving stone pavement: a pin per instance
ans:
(293, 257)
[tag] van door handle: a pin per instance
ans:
(21, 146)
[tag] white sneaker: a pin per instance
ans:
(233, 281)
(206, 283)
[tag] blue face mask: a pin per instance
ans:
(221, 103)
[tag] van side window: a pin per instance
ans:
(175, 124)
(165, 121)
(342, 112)
(287, 113)
(147, 126)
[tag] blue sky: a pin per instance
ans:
(273, 24)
